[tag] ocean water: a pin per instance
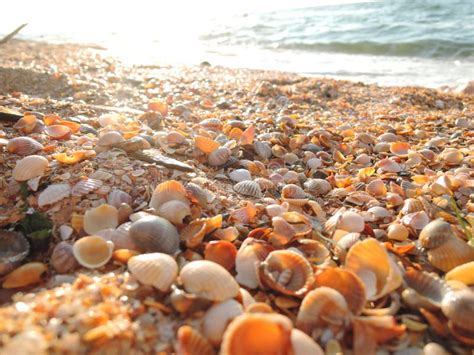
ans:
(399, 42)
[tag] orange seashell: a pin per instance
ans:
(389, 166)
(259, 307)
(131, 133)
(27, 124)
(217, 318)
(77, 222)
(72, 158)
(245, 214)
(25, 275)
(167, 191)
(221, 252)
(371, 331)
(190, 341)
(73, 126)
(158, 106)
(123, 255)
(58, 132)
(235, 133)
(51, 119)
(92, 251)
(247, 136)
(399, 148)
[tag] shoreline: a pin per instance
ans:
(316, 151)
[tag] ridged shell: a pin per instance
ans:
(23, 146)
(435, 234)
(53, 194)
(116, 197)
(257, 333)
(221, 252)
(428, 286)
(292, 191)
(248, 188)
(389, 166)
(14, 247)
(263, 150)
(287, 272)
(265, 184)
(376, 187)
(347, 284)
(219, 157)
(322, 307)
(303, 344)
(239, 175)
(206, 145)
(190, 341)
(174, 211)
(208, 280)
(167, 191)
(155, 269)
(458, 306)
(318, 187)
(109, 138)
(101, 217)
(58, 132)
(154, 234)
(345, 243)
(92, 251)
(85, 186)
(250, 254)
(62, 259)
(463, 273)
(217, 318)
(29, 167)
(411, 205)
(454, 252)
(416, 220)
(25, 275)
(371, 262)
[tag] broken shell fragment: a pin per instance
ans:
(25, 275)
(53, 194)
(155, 269)
(154, 234)
(14, 247)
(93, 252)
(221, 252)
(101, 217)
(62, 259)
(58, 132)
(30, 167)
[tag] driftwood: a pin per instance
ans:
(12, 34)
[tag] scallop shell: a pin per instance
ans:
(248, 188)
(371, 262)
(62, 259)
(458, 306)
(155, 269)
(219, 157)
(85, 186)
(389, 166)
(208, 280)
(217, 318)
(400, 148)
(167, 191)
(101, 217)
(58, 132)
(206, 145)
(263, 150)
(190, 341)
(25, 275)
(116, 197)
(221, 252)
(347, 284)
(428, 286)
(286, 272)
(463, 273)
(303, 344)
(92, 251)
(174, 211)
(320, 308)
(23, 146)
(14, 247)
(53, 194)
(318, 187)
(154, 234)
(109, 138)
(376, 187)
(239, 175)
(257, 333)
(29, 167)
(292, 191)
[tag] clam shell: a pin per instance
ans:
(239, 175)
(155, 269)
(452, 253)
(85, 186)
(116, 197)
(435, 234)
(109, 138)
(23, 146)
(314, 163)
(208, 280)
(397, 231)
(428, 286)
(221, 252)
(389, 166)
(318, 187)
(303, 344)
(249, 256)
(217, 318)
(400, 148)
(174, 211)
(345, 243)
(92, 251)
(62, 259)
(287, 272)
(219, 157)
(248, 188)
(53, 194)
(376, 188)
(29, 167)
(416, 220)
(265, 184)
(101, 217)
(263, 150)
(25, 275)
(189, 341)
(411, 205)
(463, 273)
(58, 132)
(257, 333)
(154, 234)
(458, 306)
(167, 191)
(351, 222)
(292, 191)
(371, 262)
(206, 145)
(13, 249)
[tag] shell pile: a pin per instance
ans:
(240, 213)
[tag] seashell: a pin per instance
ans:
(71, 158)
(416, 220)
(14, 247)
(23, 146)
(92, 252)
(131, 145)
(314, 163)
(190, 341)
(62, 259)
(378, 213)
(434, 349)
(259, 307)
(101, 175)
(291, 177)
(248, 188)
(155, 269)
(411, 205)
(263, 150)
(110, 138)
(206, 145)
(239, 175)
(458, 306)
(175, 138)
(54, 193)
(445, 250)
(371, 262)
(376, 187)
(58, 132)
(122, 256)
(27, 124)
(351, 222)
(174, 211)
(381, 147)
(154, 234)
(167, 191)
(211, 123)
(116, 197)
(345, 243)
(347, 284)
(463, 273)
(257, 333)
(303, 344)
(25, 275)
(400, 148)
(77, 222)
(318, 187)
(292, 191)
(219, 157)
(101, 217)
(85, 186)
(290, 158)
(388, 137)
(221, 252)
(276, 210)
(397, 231)
(199, 195)
(429, 287)
(108, 119)
(194, 232)
(389, 166)
(320, 308)
(208, 280)
(452, 156)
(30, 167)
(286, 272)
(247, 136)
(363, 159)
(217, 318)
(265, 184)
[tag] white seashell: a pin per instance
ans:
(116, 197)
(23, 146)
(86, 186)
(263, 149)
(239, 175)
(218, 317)
(101, 175)
(318, 187)
(53, 194)
(93, 252)
(314, 163)
(265, 184)
(248, 188)
(303, 344)
(101, 217)
(389, 165)
(379, 213)
(155, 269)
(416, 220)
(65, 231)
(30, 167)
(174, 211)
(351, 222)
(250, 254)
(110, 138)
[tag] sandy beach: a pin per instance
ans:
(333, 180)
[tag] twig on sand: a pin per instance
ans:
(12, 34)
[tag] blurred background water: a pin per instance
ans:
(399, 42)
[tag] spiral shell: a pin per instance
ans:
(219, 157)
(248, 188)
(92, 251)
(30, 167)
(154, 234)
(53, 193)
(62, 259)
(155, 269)
(23, 146)
(217, 318)
(101, 217)
(208, 280)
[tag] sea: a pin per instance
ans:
(399, 42)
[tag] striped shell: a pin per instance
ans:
(155, 269)
(154, 234)
(263, 150)
(248, 188)
(190, 341)
(318, 187)
(62, 259)
(85, 186)
(54, 193)
(14, 247)
(292, 191)
(219, 157)
(206, 145)
(23, 146)
(30, 167)
(429, 287)
(458, 306)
